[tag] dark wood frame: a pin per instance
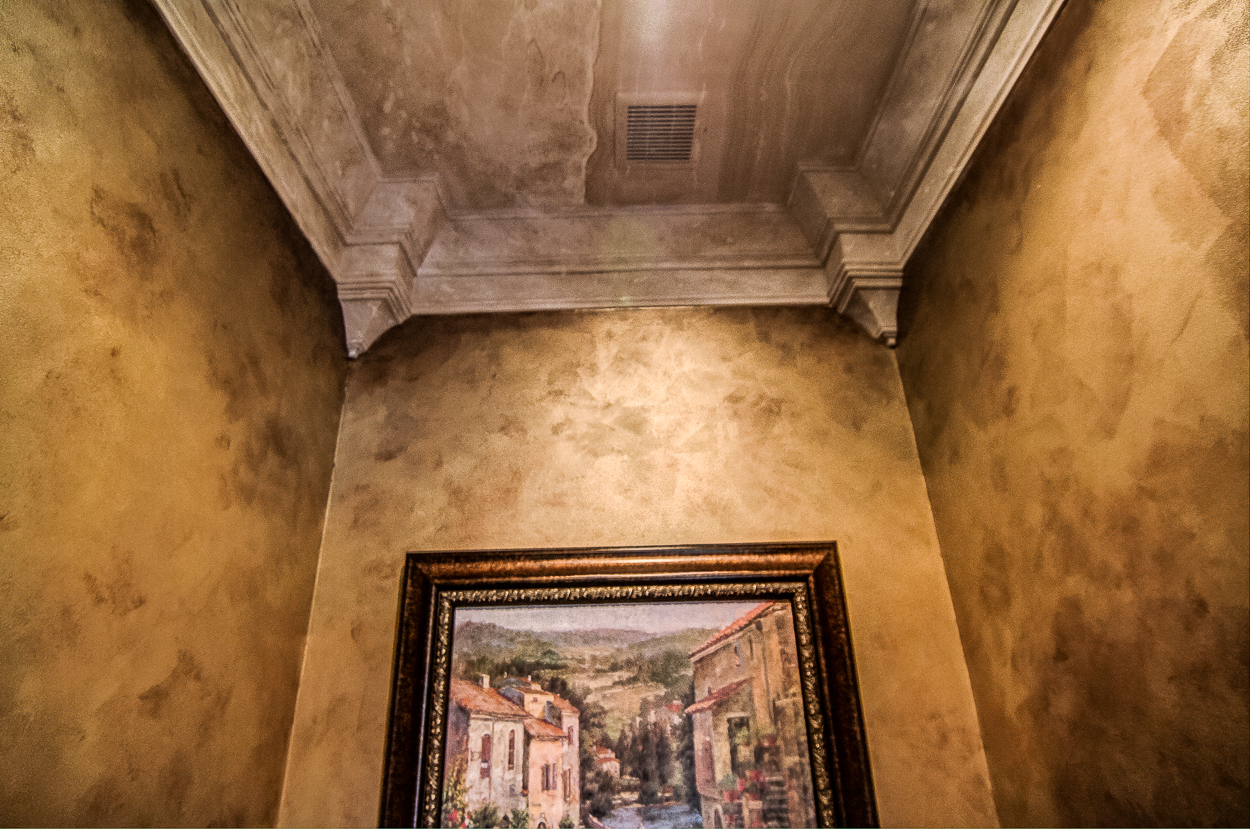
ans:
(806, 574)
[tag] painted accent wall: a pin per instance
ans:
(640, 427)
(170, 390)
(1075, 359)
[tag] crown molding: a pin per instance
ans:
(395, 248)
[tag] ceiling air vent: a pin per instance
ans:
(660, 133)
(658, 128)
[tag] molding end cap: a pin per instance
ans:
(375, 290)
(869, 296)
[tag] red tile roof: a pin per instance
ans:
(717, 696)
(478, 700)
(528, 686)
(565, 706)
(543, 730)
(750, 616)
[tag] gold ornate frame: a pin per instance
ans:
(806, 575)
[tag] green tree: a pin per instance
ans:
(625, 750)
(663, 756)
(685, 750)
(601, 789)
(648, 763)
(486, 817)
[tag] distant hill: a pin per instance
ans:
(684, 641)
(481, 638)
(596, 638)
(477, 636)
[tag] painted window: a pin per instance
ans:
(741, 752)
(551, 780)
(511, 750)
(486, 755)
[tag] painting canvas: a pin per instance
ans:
(667, 714)
(631, 686)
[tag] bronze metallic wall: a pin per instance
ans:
(652, 426)
(170, 388)
(1076, 368)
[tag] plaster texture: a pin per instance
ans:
(651, 426)
(779, 83)
(1075, 358)
(491, 95)
(169, 399)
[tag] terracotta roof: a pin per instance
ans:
(733, 627)
(543, 730)
(524, 684)
(565, 706)
(717, 696)
(527, 686)
(478, 700)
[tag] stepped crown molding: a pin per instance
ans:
(396, 248)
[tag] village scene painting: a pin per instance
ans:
(629, 715)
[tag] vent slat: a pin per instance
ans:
(661, 132)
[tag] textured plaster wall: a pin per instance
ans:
(169, 397)
(658, 426)
(1076, 366)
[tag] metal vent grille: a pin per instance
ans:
(659, 132)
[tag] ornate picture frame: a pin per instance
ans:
(803, 576)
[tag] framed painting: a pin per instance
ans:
(709, 686)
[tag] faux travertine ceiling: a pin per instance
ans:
(446, 157)
(513, 104)
(492, 95)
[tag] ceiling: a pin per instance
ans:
(451, 156)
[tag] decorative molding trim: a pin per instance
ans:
(597, 240)
(619, 289)
(866, 289)
(375, 292)
(395, 248)
(870, 221)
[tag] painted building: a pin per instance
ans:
(548, 796)
(551, 708)
(607, 762)
(487, 732)
(751, 761)
(515, 745)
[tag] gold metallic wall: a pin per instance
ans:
(656, 426)
(1076, 365)
(170, 386)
